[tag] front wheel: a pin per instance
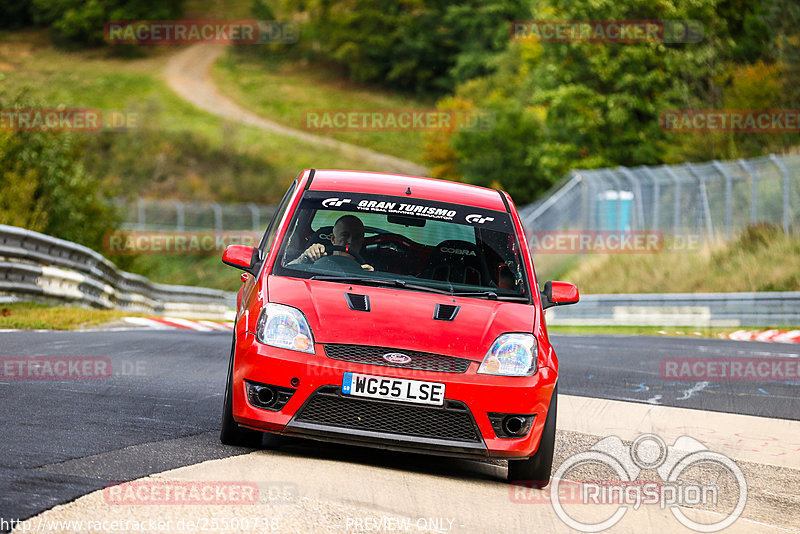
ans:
(231, 433)
(536, 469)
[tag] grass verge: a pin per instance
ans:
(204, 271)
(274, 85)
(174, 150)
(33, 316)
(760, 258)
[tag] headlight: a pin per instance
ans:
(284, 327)
(511, 355)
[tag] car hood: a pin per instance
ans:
(400, 318)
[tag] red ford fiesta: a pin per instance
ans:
(395, 312)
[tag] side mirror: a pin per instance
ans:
(559, 294)
(242, 257)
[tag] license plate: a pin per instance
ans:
(381, 387)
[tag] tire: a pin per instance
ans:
(536, 469)
(231, 433)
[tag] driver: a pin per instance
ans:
(347, 232)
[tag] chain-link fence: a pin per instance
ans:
(175, 215)
(713, 200)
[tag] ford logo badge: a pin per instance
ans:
(396, 357)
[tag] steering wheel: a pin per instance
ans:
(330, 248)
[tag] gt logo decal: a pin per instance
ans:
(478, 219)
(335, 202)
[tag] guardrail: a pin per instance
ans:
(682, 309)
(39, 266)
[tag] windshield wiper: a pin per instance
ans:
(378, 282)
(491, 295)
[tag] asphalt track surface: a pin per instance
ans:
(160, 407)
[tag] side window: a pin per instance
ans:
(272, 229)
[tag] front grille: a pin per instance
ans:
(328, 407)
(421, 361)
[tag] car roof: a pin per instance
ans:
(398, 185)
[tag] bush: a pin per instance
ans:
(82, 21)
(15, 15)
(45, 187)
(412, 45)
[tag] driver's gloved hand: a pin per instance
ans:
(313, 253)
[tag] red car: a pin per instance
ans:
(395, 312)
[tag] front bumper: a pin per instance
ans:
(318, 410)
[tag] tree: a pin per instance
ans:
(82, 21)
(412, 45)
(44, 187)
(563, 106)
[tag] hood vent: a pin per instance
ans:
(446, 312)
(357, 302)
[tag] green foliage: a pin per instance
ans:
(412, 45)
(45, 187)
(563, 106)
(15, 14)
(82, 21)
(261, 11)
(155, 163)
(514, 161)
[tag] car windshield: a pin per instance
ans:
(416, 244)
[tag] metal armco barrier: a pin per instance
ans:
(34, 265)
(682, 309)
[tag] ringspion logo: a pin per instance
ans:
(673, 490)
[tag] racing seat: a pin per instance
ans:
(303, 238)
(460, 262)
